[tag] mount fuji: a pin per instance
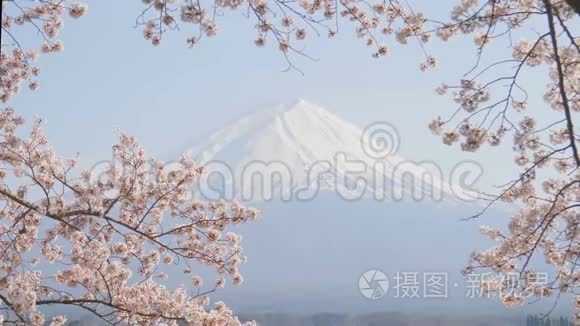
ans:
(308, 255)
(294, 151)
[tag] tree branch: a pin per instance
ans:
(566, 105)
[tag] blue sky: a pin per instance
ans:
(109, 77)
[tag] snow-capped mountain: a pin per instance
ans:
(308, 256)
(294, 151)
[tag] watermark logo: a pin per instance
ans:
(379, 140)
(373, 284)
(365, 167)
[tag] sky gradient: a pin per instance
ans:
(110, 78)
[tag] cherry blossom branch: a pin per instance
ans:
(563, 94)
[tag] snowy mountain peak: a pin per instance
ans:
(306, 107)
(291, 150)
(299, 109)
(298, 104)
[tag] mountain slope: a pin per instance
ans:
(298, 149)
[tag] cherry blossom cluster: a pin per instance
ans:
(114, 239)
(492, 107)
(45, 18)
(286, 23)
(547, 226)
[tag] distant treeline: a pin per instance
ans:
(398, 319)
(383, 319)
(536, 320)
